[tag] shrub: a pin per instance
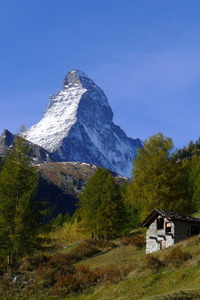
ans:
(45, 275)
(153, 263)
(111, 273)
(176, 256)
(61, 262)
(139, 241)
(57, 265)
(5, 284)
(33, 262)
(82, 279)
(86, 277)
(83, 250)
(124, 240)
(66, 284)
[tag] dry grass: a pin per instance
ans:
(126, 255)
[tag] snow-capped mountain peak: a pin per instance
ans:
(77, 126)
(76, 78)
(60, 115)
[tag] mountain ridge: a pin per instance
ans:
(38, 154)
(59, 182)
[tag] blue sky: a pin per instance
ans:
(144, 54)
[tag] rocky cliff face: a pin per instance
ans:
(77, 126)
(39, 154)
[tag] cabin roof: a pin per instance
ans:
(171, 216)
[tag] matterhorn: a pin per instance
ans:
(77, 126)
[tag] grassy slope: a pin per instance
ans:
(169, 282)
(172, 280)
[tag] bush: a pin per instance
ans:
(138, 241)
(124, 240)
(48, 272)
(111, 273)
(33, 262)
(153, 263)
(86, 277)
(61, 262)
(82, 279)
(176, 257)
(66, 284)
(83, 250)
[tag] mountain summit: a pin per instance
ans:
(77, 126)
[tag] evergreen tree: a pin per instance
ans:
(194, 182)
(188, 159)
(133, 218)
(90, 200)
(59, 220)
(111, 215)
(101, 206)
(193, 149)
(19, 214)
(1, 163)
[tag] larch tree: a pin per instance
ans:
(90, 200)
(111, 214)
(19, 214)
(101, 206)
(157, 180)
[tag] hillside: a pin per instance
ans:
(61, 183)
(117, 270)
(72, 177)
(169, 274)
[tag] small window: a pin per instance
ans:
(168, 227)
(160, 223)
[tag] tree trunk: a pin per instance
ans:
(9, 267)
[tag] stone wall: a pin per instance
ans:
(155, 237)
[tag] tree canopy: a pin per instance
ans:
(158, 181)
(102, 207)
(19, 214)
